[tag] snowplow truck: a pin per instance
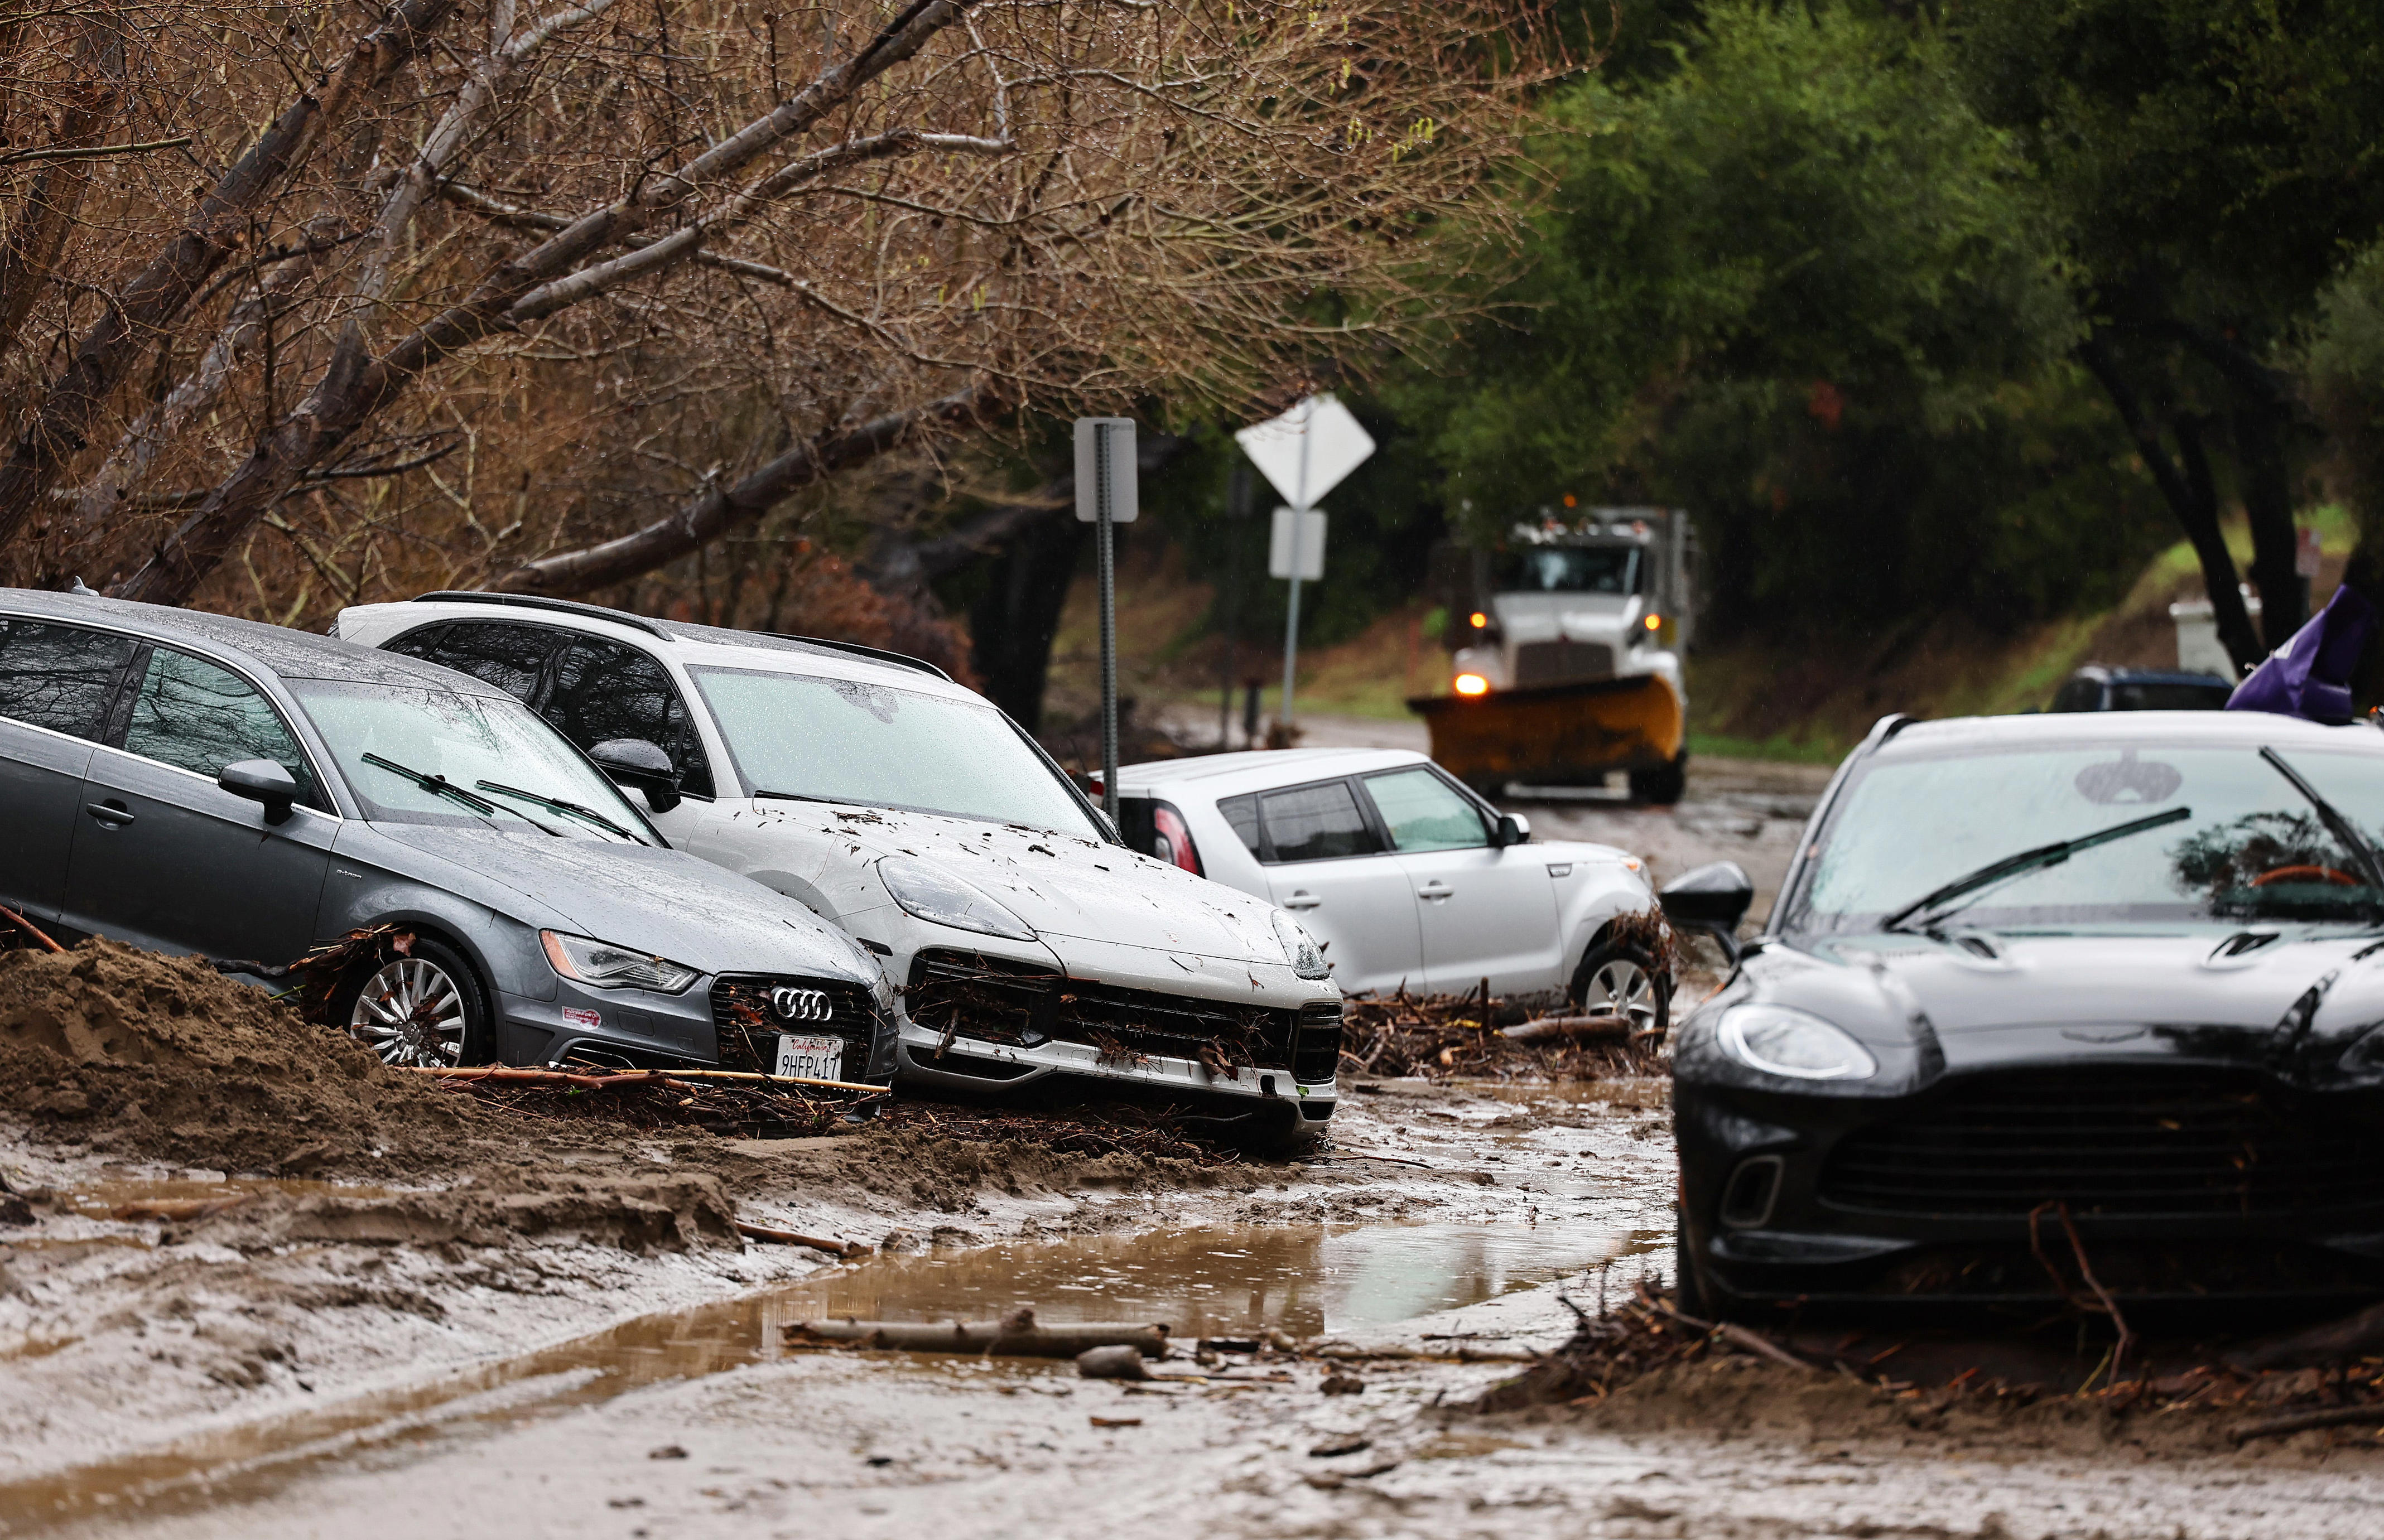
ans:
(1566, 638)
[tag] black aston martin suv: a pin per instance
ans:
(2050, 995)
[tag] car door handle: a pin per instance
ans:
(1302, 898)
(1435, 889)
(114, 814)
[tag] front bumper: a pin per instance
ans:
(720, 1021)
(978, 1020)
(1955, 1194)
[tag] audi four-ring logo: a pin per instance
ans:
(789, 1004)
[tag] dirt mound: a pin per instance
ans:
(1645, 1367)
(164, 1057)
(677, 1213)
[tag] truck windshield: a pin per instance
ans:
(841, 740)
(2249, 845)
(1570, 570)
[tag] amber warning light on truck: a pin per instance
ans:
(1472, 684)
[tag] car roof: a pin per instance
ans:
(717, 646)
(2248, 729)
(1255, 770)
(276, 650)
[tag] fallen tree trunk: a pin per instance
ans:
(846, 1249)
(1001, 1338)
(1586, 1029)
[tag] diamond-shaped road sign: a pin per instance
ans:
(1307, 450)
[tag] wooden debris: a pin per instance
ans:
(846, 1249)
(1016, 1335)
(39, 938)
(1579, 1029)
(1116, 1362)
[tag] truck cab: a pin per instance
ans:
(1566, 638)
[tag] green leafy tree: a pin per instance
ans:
(2212, 165)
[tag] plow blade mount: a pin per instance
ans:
(1555, 735)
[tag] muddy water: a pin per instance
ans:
(1203, 1281)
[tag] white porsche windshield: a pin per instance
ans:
(841, 740)
(2225, 836)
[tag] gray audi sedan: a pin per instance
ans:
(191, 783)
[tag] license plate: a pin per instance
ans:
(810, 1058)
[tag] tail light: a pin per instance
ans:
(1171, 841)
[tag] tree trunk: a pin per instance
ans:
(1012, 624)
(2193, 502)
(2268, 505)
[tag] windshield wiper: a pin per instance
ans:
(440, 786)
(2331, 816)
(557, 804)
(2027, 861)
(807, 797)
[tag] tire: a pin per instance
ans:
(1662, 786)
(426, 1009)
(1624, 979)
(1688, 1282)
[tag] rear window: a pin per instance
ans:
(59, 676)
(1316, 823)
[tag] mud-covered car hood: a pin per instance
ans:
(666, 902)
(1061, 885)
(2298, 1002)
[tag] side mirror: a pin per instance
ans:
(1512, 830)
(635, 762)
(1712, 899)
(261, 780)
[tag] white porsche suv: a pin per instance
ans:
(1025, 939)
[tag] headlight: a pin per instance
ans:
(1780, 1040)
(1299, 949)
(945, 900)
(610, 968)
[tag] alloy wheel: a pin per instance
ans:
(411, 1012)
(1622, 987)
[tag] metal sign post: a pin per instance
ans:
(1105, 498)
(1305, 452)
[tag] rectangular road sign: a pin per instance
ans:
(1312, 546)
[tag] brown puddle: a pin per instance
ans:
(1209, 1281)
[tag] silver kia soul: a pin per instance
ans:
(1025, 940)
(191, 783)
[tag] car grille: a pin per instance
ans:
(1557, 663)
(998, 1001)
(2136, 1142)
(1318, 1053)
(742, 1017)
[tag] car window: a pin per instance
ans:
(59, 676)
(513, 658)
(198, 717)
(2170, 695)
(2078, 695)
(1316, 823)
(844, 740)
(468, 740)
(1242, 813)
(603, 689)
(1424, 813)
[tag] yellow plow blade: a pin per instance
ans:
(1555, 735)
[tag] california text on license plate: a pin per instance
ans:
(812, 1058)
